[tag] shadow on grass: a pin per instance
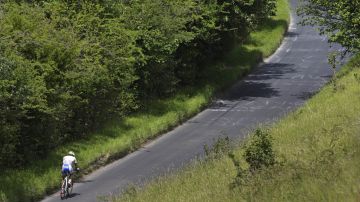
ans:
(236, 64)
(242, 56)
(114, 127)
(270, 24)
(267, 25)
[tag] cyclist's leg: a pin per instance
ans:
(64, 173)
(70, 176)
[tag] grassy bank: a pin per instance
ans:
(123, 136)
(317, 150)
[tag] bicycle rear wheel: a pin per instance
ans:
(64, 189)
(70, 187)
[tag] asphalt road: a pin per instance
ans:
(285, 81)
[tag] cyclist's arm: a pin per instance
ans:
(76, 164)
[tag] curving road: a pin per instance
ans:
(286, 79)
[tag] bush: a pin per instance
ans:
(220, 148)
(259, 151)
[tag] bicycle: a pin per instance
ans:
(67, 186)
(66, 189)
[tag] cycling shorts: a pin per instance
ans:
(66, 169)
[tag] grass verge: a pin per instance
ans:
(120, 137)
(317, 153)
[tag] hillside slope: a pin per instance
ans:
(317, 154)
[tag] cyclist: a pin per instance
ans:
(69, 163)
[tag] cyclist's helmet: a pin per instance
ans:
(71, 153)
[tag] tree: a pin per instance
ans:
(66, 66)
(338, 19)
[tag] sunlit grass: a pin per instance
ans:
(123, 136)
(317, 147)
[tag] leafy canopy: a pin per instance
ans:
(338, 19)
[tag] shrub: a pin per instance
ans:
(220, 148)
(259, 151)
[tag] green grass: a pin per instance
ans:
(123, 136)
(317, 148)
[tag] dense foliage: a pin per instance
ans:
(338, 19)
(67, 66)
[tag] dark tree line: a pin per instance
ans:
(68, 65)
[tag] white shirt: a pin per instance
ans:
(69, 160)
